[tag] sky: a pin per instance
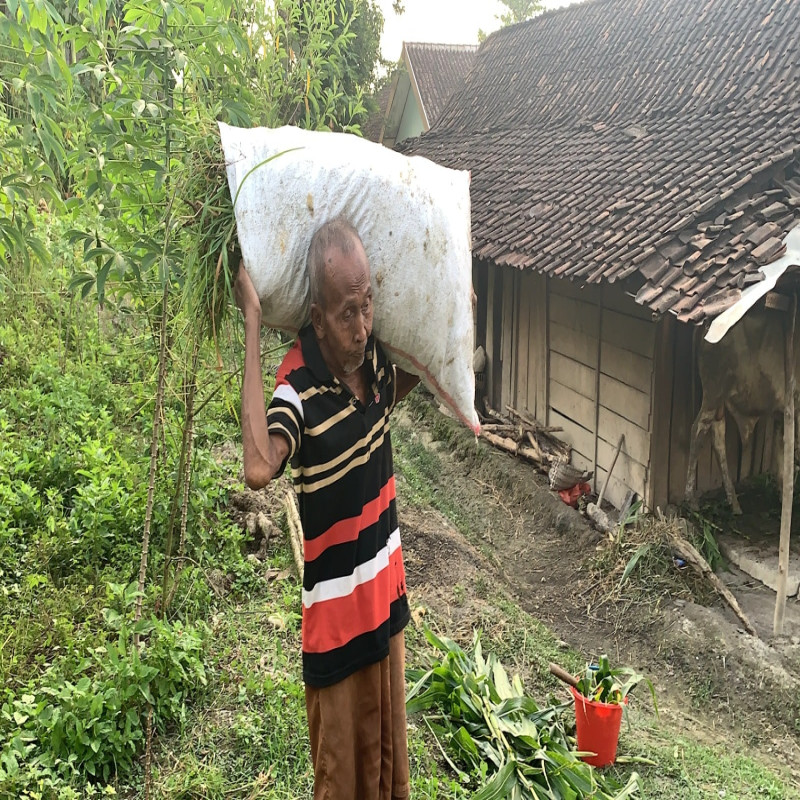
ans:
(441, 21)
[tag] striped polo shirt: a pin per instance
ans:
(354, 590)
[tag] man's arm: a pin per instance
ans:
(405, 383)
(263, 453)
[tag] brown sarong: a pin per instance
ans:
(358, 732)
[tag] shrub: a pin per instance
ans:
(84, 720)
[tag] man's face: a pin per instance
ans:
(343, 322)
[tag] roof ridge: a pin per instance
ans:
(448, 45)
(547, 13)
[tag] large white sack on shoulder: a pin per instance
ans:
(413, 217)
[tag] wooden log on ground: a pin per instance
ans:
(536, 448)
(532, 423)
(503, 442)
(490, 413)
(689, 553)
(499, 428)
(523, 417)
(295, 531)
(511, 446)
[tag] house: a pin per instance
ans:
(373, 127)
(635, 168)
(428, 76)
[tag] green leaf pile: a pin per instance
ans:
(516, 749)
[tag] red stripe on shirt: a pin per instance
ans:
(291, 361)
(347, 530)
(330, 624)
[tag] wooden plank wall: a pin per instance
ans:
(573, 333)
(491, 347)
(600, 382)
(582, 359)
(530, 365)
(542, 335)
(625, 397)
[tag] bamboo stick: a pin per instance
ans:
(688, 552)
(535, 446)
(510, 446)
(528, 420)
(788, 474)
(295, 531)
(503, 442)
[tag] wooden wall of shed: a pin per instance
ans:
(529, 390)
(577, 358)
(592, 362)
(600, 382)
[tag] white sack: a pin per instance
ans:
(413, 217)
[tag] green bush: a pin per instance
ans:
(84, 720)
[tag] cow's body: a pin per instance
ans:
(744, 374)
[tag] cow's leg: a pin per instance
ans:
(747, 427)
(718, 439)
(700, 428)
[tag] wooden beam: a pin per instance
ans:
(788, 473)
(661, 399)
(693, 556)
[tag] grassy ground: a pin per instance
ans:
(74, 426)
(249, 739)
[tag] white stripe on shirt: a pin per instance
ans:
(288, 394)
(363, 573)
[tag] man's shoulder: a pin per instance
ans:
(292, 362)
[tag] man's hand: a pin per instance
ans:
(245, 293)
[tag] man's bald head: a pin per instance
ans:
(336, 233)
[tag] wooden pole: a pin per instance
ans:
(295, 530)
(788, 473)
(691, 555)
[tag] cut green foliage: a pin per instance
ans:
(513, 747)
(705, 539)
(637, 562)
(603, 684)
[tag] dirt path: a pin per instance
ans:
(713, 681)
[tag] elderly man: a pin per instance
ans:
(329, 417)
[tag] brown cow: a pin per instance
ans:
(744, 374)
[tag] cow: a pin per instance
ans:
(743, 374)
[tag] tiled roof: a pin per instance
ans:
(439, 69)
(654, 142)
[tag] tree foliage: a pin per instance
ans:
(108, 134)
(519, 11)
(103, 102)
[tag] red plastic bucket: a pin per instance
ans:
(597, 728)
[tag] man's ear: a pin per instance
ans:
(316, 320)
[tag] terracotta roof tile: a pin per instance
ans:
(648, 140)
(439, 70)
